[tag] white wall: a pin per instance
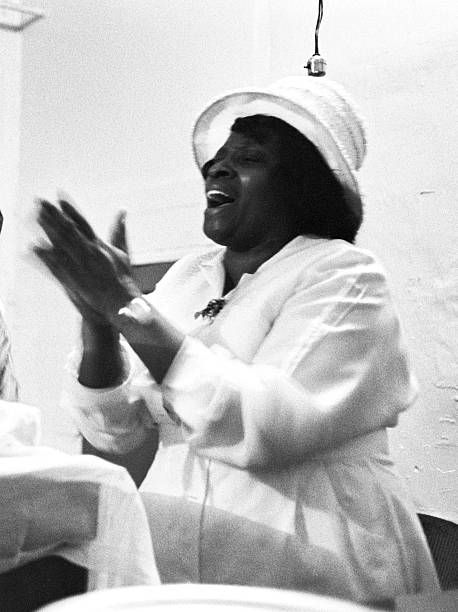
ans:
(401, 61)
(110, 89)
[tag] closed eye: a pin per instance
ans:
(239, 157)
(250, 157)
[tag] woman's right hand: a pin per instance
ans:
(117, 238)
(93, 272)
(99, 337)
(101, 363)
(73, 255)
(91, 317)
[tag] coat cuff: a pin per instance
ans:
(110, 419)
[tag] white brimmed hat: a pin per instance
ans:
(318, 108)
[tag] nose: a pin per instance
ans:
(220, 168)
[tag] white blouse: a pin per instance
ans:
(273, 465)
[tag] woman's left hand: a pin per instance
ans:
(94, 272)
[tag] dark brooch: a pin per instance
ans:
(211, 309)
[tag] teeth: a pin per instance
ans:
(216, 193)
(216, 196)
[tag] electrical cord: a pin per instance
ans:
(318, 23)
(316, 65)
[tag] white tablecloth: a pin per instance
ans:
(79, 507)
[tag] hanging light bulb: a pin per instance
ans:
(316, 65)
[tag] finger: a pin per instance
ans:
(66, 271)
(63, 233)
(42, 205)
(50, 259)
(49, 216)
(118, 236)
(51, 262)
(49, 220)
(57, 222)
(46, 219)
(55, 261)
(77, 218)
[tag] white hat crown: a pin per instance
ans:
(333, 108)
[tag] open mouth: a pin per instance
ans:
(216, 197)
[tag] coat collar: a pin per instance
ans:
(212, 267)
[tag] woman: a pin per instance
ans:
(271, 365)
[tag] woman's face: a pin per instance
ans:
(245, 208)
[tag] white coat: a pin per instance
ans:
(273, 467)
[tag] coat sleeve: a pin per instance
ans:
(332, 367)
(114, 419)
(119, 419)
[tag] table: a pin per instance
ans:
(80, 508)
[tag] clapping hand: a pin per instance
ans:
(95, 274)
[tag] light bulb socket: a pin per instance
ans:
(316, 65)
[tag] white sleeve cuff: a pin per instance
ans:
(111, 419)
